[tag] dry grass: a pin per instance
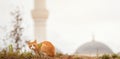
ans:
(28, 55)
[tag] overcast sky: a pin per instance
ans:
(71, 23)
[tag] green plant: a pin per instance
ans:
(10, 48)
(26, 55)
(105, 56)
(114, 56)
(118, 57)
(58, 54)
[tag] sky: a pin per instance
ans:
(71, 23)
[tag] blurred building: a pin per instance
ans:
(93, 48)
(40, 15)
(118, 53)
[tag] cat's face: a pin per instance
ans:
(32, 45)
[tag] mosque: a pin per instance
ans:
(93, 48)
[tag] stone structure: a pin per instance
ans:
(40, 15)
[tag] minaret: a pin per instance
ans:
(40, 15)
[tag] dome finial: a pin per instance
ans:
(93, 37)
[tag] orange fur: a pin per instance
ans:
(46, 47)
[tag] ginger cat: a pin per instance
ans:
(44, 47)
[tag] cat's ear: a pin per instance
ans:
(28, 42)
(35, 41)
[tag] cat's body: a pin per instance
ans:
(45, 47)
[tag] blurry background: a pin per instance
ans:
(70, 23)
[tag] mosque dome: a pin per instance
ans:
(93, 48)
(118, 53)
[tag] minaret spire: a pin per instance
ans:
(39, 4)
(93, 37)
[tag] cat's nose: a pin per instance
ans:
(32, 47)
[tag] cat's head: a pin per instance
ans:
(32, 45)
